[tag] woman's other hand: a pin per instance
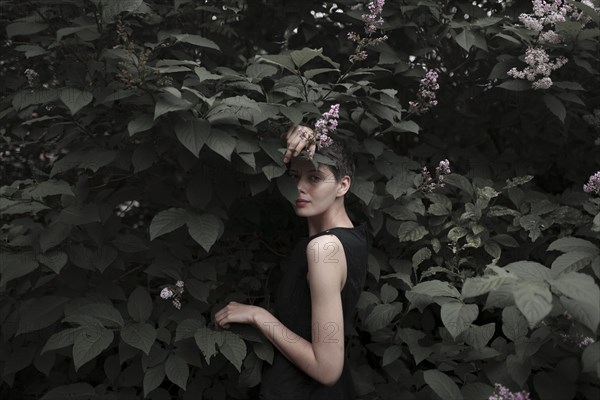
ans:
(298, 137)
(237, 313)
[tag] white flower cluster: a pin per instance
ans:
(174, 292)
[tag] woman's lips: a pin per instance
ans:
(301, 203)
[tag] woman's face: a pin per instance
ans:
(317, 189)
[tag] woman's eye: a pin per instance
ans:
(315, 178)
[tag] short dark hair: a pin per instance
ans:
(340, 153)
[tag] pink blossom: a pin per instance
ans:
(426, 95)
(328, 123)
(166, 293)
(373, 21)
(429, 184)
(503, 393)
(593, 185)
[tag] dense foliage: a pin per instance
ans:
(140, 147)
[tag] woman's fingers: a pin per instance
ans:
(297, 138)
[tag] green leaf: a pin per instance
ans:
(50, 187)
(13, 266)
(518, 369)
(39, 313)
(105, 313)
(143, 157)
(24, 28)
(260, 71)
(591, 357)
(141, 336)
(153, 377)
(484, 284)
(273, 171)
(382, 315)
(529, 271)
(167, 102)
(199, 290)
(411, 231)
(177, 370)
(477, 390)
(75, 391)
(75, 99)
(303, 56)
(457, 316)
(221, 143)
(96, 159)
(89, 343)
(459, 182)
(442, 385)
(193, 134)
(167, 221)
(104, 257)
(569, 244)
(578, 286)
(571, 261)
(204, 229)
(27, 98)
(515, 85)
(388, 293)
(139, 304)
(479, 336)
(311, 73)
(436, 288)
(293, 114)
(112, 8)
(197, 40)
(514, 324)
(233, 348)
(188, 327)
(284, 61)
(61, 339)
(586, 313)
(363, 189)
(465, 39)
(534, 300)
(206, 340)
(556, 106)
(140, 124)
(391, 354)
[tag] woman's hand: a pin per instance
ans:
(236, 313)
(298, 137)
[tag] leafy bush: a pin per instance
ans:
(125, 121)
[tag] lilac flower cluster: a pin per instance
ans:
(31, 76)
(593, 185)
(546, 13)
(373, 22)
(326, 125)
(503, 393)
(538, 68)
(426, 95)
(578, 339)
(429, 184)
(174, 292)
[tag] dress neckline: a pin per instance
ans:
(335, 227)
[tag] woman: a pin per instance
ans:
(320, 285)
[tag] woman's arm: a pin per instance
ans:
(323, 357)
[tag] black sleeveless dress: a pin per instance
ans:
(283, 380)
